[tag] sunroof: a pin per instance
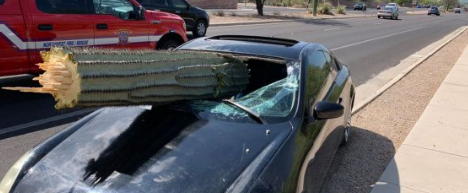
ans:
(267, 40)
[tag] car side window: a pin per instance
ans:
(64, 6)
(2, 2)
(179, 4)
(317, 71)
(119, 8)
(331, 61)
(155, 3)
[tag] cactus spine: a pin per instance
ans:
(93, 77)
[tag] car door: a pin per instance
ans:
(182, 8)
(59, 23)
(13, 39)
(325, 83)
(116, 24)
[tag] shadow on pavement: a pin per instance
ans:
(357, 166)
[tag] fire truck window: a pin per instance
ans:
(63, 6)
(119, 8)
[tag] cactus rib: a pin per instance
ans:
(102, 77)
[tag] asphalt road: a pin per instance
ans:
(367, 45)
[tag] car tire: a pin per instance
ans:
(378, 17)
(200, 28)
(169, 44)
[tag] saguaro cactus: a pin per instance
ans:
(96, 77)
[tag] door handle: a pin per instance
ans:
(102, 26)
(45, 27)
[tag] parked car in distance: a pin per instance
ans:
(28, 26)
(360, 6)
(388, 12)
(457, 10)
(278, 135)
(196, 19)
(380, 6)
(433, 11)
(419, 6)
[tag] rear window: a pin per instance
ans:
(2, 1)
(63, 6)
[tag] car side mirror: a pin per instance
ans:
(328, 110)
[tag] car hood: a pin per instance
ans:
(135, 149)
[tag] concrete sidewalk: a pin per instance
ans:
(434, 156)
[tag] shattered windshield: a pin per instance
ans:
(274, 100)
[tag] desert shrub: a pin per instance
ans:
(325, 9)
(341, 9)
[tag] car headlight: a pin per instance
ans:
(10, 177)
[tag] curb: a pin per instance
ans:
(405, 72)
(282, 21)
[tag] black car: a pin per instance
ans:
(360, 6)
(433, 10)
(278, 135)
(196, 19)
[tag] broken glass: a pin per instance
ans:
(274, 100)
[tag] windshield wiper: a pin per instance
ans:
(255, 116)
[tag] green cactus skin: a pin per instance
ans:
(111, 77)
(116, 77)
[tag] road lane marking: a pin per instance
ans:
(44, 121)
(373, 39)
(330, 29)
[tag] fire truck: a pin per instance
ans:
(29, 26)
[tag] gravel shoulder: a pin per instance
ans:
(381, 127)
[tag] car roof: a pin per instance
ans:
(250, 45)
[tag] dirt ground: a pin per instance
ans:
(231, 17)
(380, 128)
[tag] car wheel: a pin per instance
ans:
(200, 28)
(378, 17)
(169, 44)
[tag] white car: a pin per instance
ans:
(388, 12)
